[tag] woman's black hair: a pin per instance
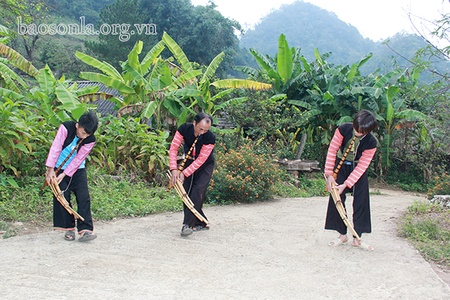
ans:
(364, 122)
(201, 116)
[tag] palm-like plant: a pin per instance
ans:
(57, 100)
(286, 72)
(17, 60)
(392, 112)
(160, 86)
(209, 103)
(199, 91)
(151, 84)
(282, 71)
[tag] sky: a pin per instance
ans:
(376, 20)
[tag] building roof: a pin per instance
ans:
(100, 98)
(102, 88)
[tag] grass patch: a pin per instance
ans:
(110, 198)
(427, 227)
(121, 198)
(306, 185)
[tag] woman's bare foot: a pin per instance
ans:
(342, 239)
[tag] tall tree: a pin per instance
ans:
(201, 31)
(10, 10)
(113, 47)
(212, 33)
(75, 9)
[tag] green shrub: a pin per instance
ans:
(440, 185)
(314, 184)
(228, 139)
(16, 133)
(243, 176)
(126, 145)
(422, 207)
(408, 178)
(25, 202)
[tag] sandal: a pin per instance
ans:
(337, 242)
(186, 230)
(364, 246)
(69, 235)
(87, 236)
(200, 228)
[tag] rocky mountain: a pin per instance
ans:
(308, 27)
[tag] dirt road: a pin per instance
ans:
(271, 250)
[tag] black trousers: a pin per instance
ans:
(78, 186)
(196, 186)
(361, 205)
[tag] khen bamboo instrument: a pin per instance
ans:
(180, 189)
(187, 156)
(336, 171)
(335, 192)
(341, 210)
(60, 197)
(185, 198)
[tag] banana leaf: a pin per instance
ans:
(178, 53)
(18, 61)
(102, 66)
(284, 59)
(211, 69)
(241, 83)
(108, 81)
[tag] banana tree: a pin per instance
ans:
(393, 112)
(52, 97)
(159, 87)
(15, 132)
(17, 60)
(20, 111)
(209, 103)
(57, 100)
(287, 71)
(154, 85)
(199, 91)
(282, 71)
(14, 57)
(10, 79)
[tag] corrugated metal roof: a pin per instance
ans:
(102, 88)
(105, 107)
(100, 98)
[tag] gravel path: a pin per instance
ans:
(271, 250)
